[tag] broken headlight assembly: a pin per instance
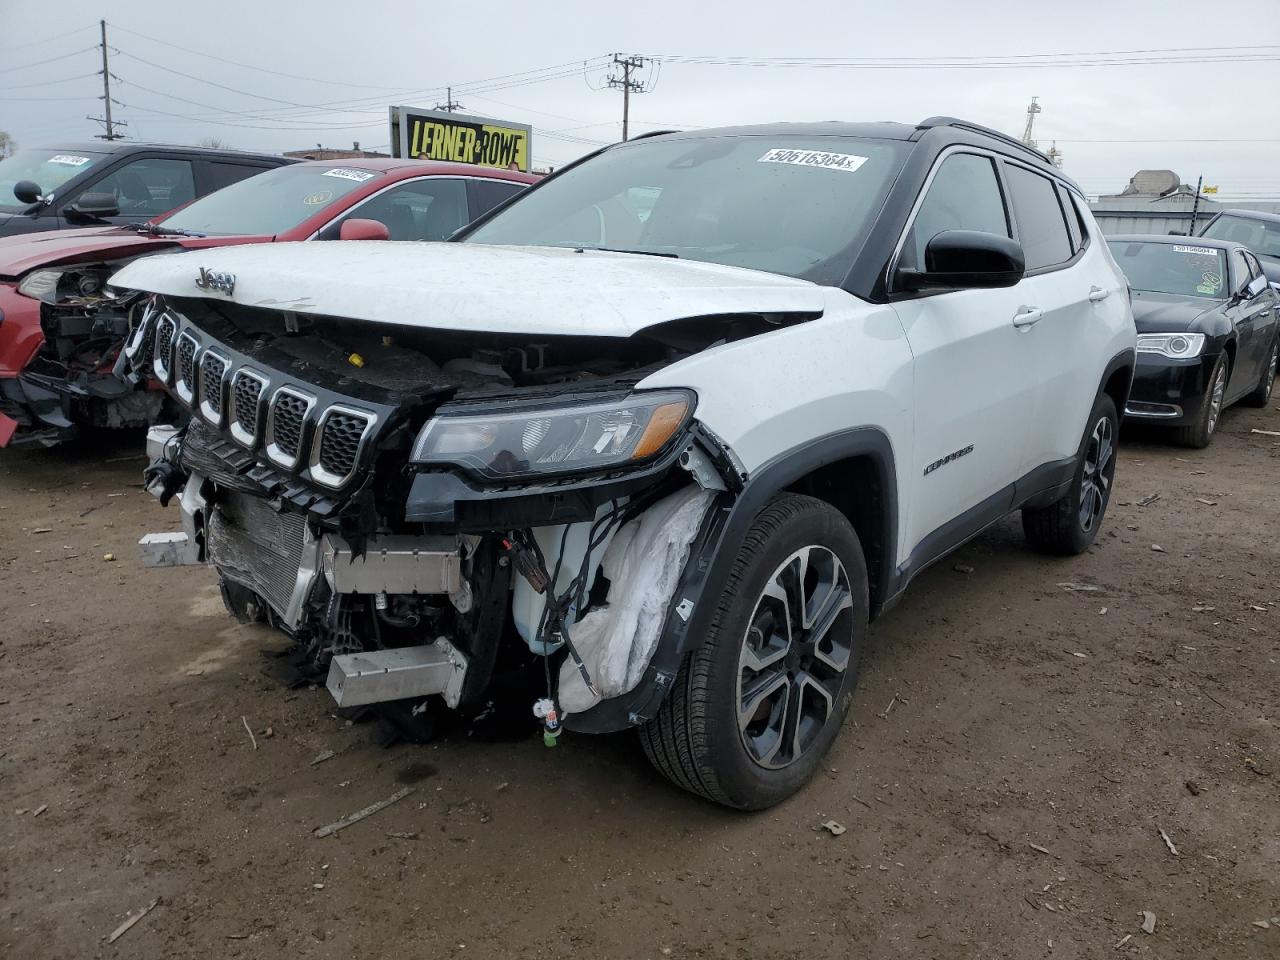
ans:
(584, 437)
(50, 286)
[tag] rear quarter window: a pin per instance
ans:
(1042, 228)
(223, 174)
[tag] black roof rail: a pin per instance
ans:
(652, 133)
(932, 122)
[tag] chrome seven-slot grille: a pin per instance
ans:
(258, 408)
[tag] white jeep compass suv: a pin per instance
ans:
(660, 437)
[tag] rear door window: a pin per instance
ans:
(487, 194)
(1042, 228)
(148, 187)
(429, 209)
(223, 174)
(964, 195)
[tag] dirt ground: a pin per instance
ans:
(1013, 754)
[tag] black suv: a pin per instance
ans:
(1258, 231)
(48, 188)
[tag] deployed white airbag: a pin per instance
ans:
(643, 565)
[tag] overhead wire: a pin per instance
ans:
(41, 63)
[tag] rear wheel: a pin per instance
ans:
(1200, 433)
(754, 709)
(1262, 392)
(1070, 524)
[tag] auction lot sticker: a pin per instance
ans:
(359, 176)
(1196, 251)
(69, 160)
(847, 162)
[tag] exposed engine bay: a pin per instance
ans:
(429, 513)
(71, 381)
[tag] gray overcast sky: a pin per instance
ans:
(383, 52)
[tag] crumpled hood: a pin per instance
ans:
(23, 252)
(477, 287)
(1167, 313)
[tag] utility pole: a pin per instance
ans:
(626, 85)
(450, 105)
(106, 94)
(1195, 206)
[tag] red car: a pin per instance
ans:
(61, 329)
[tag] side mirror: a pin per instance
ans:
(965, 259)
(27, 191)
(359, 229)
(94, 206)
(1256, 286)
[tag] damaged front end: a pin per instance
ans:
(70, 380)
(429, 513)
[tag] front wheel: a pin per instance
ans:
(754, 709)
(1070, 524)
(1262, 392)
(1200, 434)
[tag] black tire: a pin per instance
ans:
(1200, 434)
(1070, 524)
(1262, 392)
(697, 740)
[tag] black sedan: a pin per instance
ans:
(1207, 331)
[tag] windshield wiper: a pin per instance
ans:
(643, 253)
(159, 230)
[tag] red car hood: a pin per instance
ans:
(24, 252)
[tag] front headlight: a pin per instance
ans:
(556, 440)
(1175, 346)
(41, 285)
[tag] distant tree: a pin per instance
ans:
(215, 143)
(8, 145)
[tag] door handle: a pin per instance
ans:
(1027, 317)
(1097, 294)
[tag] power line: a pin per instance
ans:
(49, 83)
(247, 66)
(250, 126)
(36, 43)
(982, 63)
(41, 63)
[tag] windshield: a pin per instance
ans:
(269, 203)
(798, 206)
(1260, 236)
(50, 169)
(1182, 269)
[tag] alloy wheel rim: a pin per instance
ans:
(794, 657)
(1215, 399)
(1271, 370)
(1099, 468)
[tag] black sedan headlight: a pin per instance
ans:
(584, 437)
(1175, 346)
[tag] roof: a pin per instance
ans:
(121, 146)
(962, 131)
(406, 167)
(1174, 238)
(1250, 214)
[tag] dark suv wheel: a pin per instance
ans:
(1069, 525)
(754, 709)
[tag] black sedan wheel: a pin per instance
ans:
(1266, 383)
(1200, 433)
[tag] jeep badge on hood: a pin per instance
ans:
(213, 280)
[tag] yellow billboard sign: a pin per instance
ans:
(454, 138)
